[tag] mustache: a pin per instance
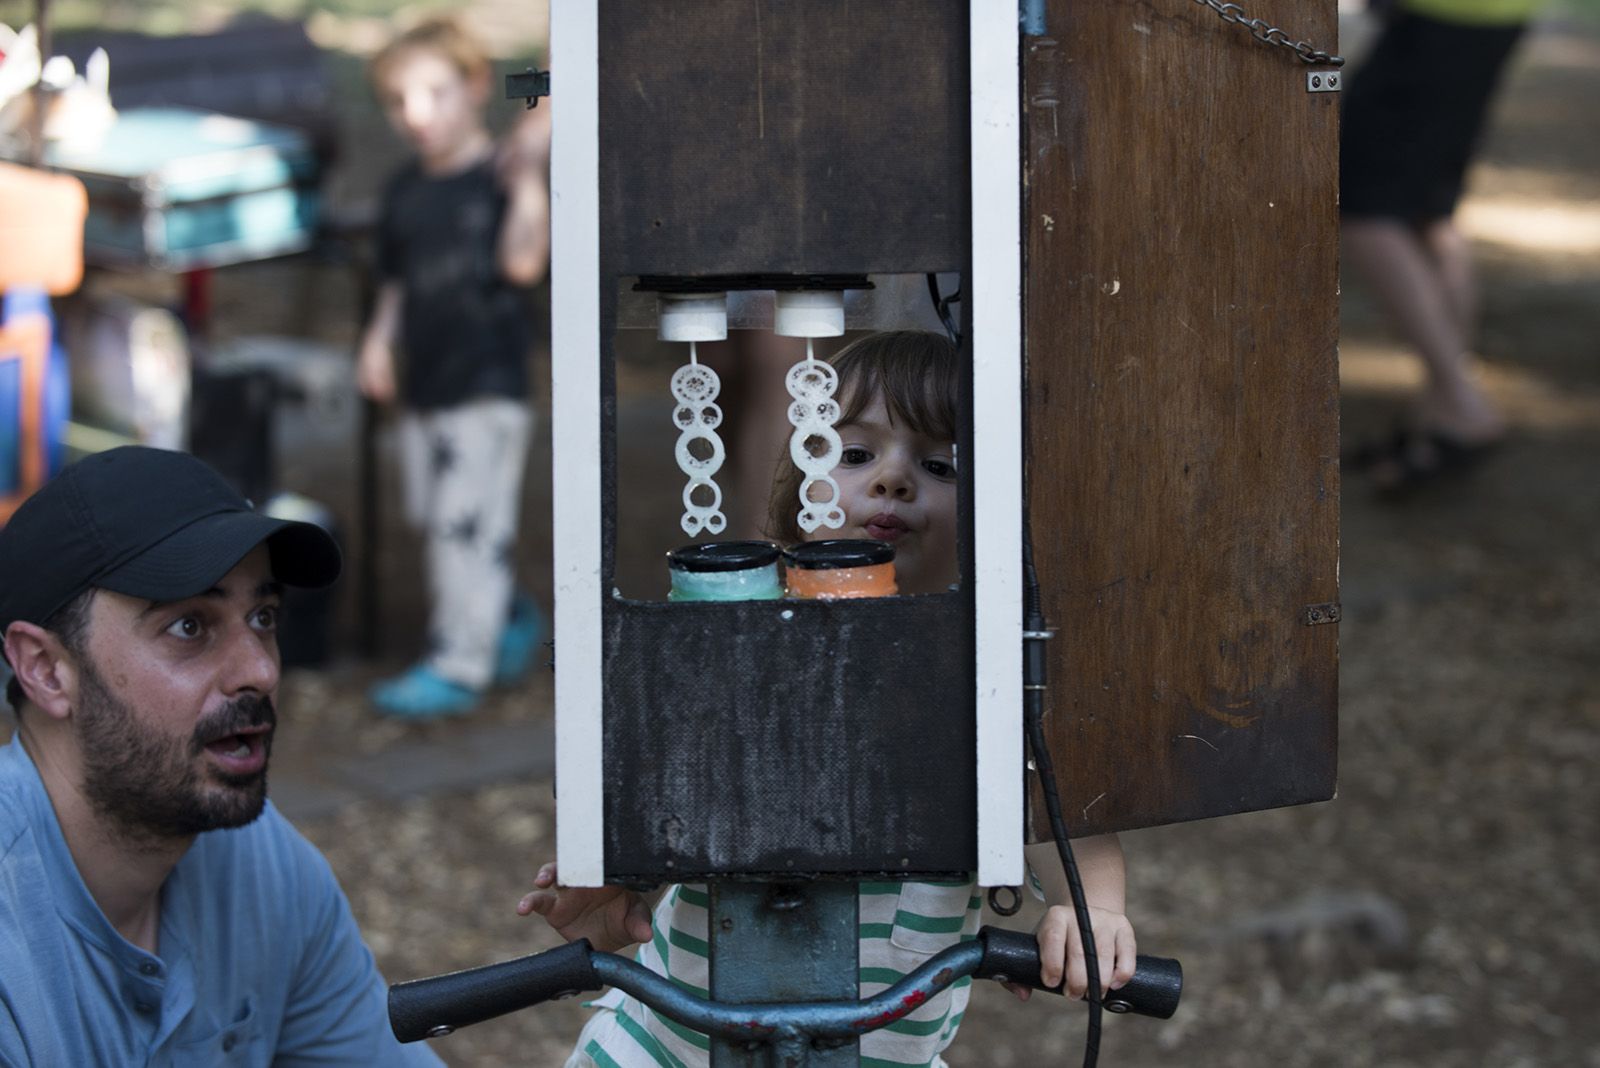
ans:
(244, 713)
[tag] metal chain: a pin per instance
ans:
(1261, 31)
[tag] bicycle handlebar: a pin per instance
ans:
(433, 1007)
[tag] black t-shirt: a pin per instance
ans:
(465, 330)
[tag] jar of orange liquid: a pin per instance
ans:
(840, 568)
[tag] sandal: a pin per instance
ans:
(1413, 458)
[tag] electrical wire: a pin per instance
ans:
(941, 307)
(1033, 676)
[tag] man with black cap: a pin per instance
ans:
(154, 908)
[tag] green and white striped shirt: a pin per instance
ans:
(901, 926)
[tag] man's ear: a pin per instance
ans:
(44, 668)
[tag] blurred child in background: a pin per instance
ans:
(464, 231)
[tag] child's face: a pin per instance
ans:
(431, 104)
(899, 486)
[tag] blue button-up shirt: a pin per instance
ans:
(260, 961)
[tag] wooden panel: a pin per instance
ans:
(1181, 331)
(745, 738)
(770, 136)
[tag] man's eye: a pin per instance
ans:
(854, 455)
(187, 627)
(266, 617)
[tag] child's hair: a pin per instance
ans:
(915, 373)
(442, 35)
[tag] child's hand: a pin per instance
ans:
(1114, 945)
(523, 252)
(525, 149)
(375, 372)
(610, 917)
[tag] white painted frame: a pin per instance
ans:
(996, 327)
(575, 440)
(995, 317)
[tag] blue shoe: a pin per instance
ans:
(519, 641)
(422, 694)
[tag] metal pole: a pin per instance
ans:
(783, 942)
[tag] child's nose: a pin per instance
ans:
(893, 479)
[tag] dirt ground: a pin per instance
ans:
(1441, 913)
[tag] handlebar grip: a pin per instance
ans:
(433, 1007)
(1013, 956)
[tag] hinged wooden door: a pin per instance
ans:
(1181, 328)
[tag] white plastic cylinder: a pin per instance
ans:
(809, 313)
(692, 316)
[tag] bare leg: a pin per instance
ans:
(1425, 286)
(1453, 259)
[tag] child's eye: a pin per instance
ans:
(939, 468)
(187, 628)
(854, 456)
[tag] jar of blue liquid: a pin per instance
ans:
(725, 571)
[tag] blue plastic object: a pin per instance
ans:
(519, 641)
(422, 694)
(54, 402)
(178, 189)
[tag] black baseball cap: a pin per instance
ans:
(147, 523)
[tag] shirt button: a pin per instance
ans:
(144, 1008)
(228, 1042)
(149, 967)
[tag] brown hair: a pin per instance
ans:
(915, 373)
(442, 35)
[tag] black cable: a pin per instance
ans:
(1033, 677)
(941, 306)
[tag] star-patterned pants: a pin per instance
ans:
(462, 471)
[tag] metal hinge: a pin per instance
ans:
(530, 85)
(1324, 81)
(1314, 614)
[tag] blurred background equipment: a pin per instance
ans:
(132, 372)
(178, 189)
(256, 67)
(41, 241)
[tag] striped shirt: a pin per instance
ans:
(902, 924)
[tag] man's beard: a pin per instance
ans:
(156, 786)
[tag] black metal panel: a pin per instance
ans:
(756, 739)
(768, 135)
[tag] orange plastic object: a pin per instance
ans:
(41, 229)
(875, 580)
(27, 339)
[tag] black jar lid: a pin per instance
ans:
(838, 553)
(723, 556)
